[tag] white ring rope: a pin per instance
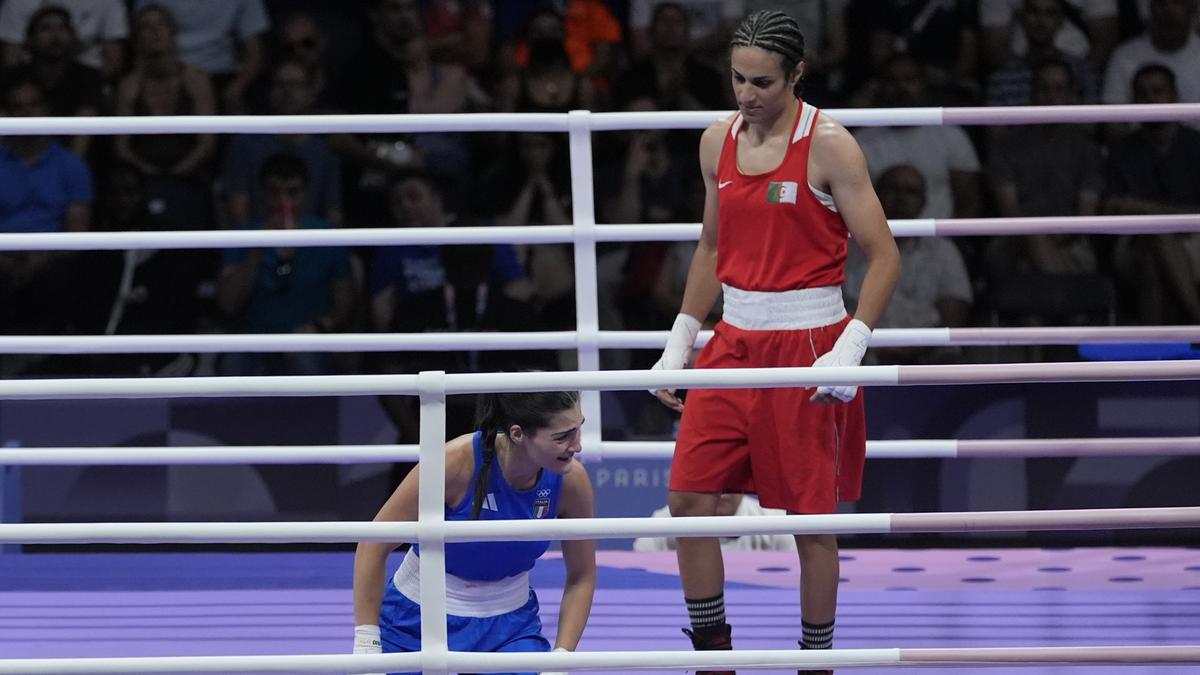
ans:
(555, 234)
(648, 450)
(615, 121)
(333, 532)
(757, 659)
(434, 341)
(630, 380)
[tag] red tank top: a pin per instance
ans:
(774, 234)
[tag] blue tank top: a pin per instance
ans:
(495, 560)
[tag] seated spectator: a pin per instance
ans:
(292, 92)
(71, 88)
(284, 289)
(302, 41)
(649, 184)
(671, 75)
(100, 26)
(394, 73)
(223, 40)
(1056, 170)
(176, 166)
(944, 155)
(1168, 41)
(940, 36)
(44, 187)
(141, 292)
(728, 505)
(934, 289)
(531, 187)
(423, 288)
(1153, 171)
(1012, 84)
(461, 31)
(710, 26)
(546, 82)
(1090, 33)
(587, 30)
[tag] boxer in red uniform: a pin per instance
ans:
(785, 186)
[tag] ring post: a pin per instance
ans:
(431, 386)
(587, 321)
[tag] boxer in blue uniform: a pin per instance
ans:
(519, 464)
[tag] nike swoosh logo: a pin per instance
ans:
(721, 185)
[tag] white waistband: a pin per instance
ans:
(783, 310)
(463, 597)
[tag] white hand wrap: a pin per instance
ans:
(551, 672)
(366, 641)
(849, 350)
(678, 353)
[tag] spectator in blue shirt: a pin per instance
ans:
(44, 187)
(284, 289)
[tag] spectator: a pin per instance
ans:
(424, 288)
(395, 74)
(671, 75)
(176, 166)
(141, 292)
(292, 92)
(1170, 41)
(710, 26)
(531, 187)
(71, 88)
(223, 40)
(940, 36)
(461, 31)
(545, 81)
(1012, 84)
(934, 290)
(44, 187)
(302, 41)
(727, 505)
(1090, 33)
(284, 289)
(100, 26)
(1055, 171)
(648, 185)
(1153, 171)
(943, 155)
(586, 29)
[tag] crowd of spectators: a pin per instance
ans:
(292, 57)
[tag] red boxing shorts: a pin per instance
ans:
(794, 454)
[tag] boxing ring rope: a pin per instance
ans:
(558, 234)
(552, 122)
(1180, 446)
(335, 532)
(624, 660)
(608, 380)
(606, 339)
(433, 532)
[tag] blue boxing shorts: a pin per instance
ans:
(517, 631)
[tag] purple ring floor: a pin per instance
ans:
(154, 604)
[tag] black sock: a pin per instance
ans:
(817, 635)
(706, 612)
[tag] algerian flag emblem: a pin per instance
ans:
(781, 192)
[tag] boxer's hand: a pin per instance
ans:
(677, 355)
(849, 350)
(366, 641)
(556, 672)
